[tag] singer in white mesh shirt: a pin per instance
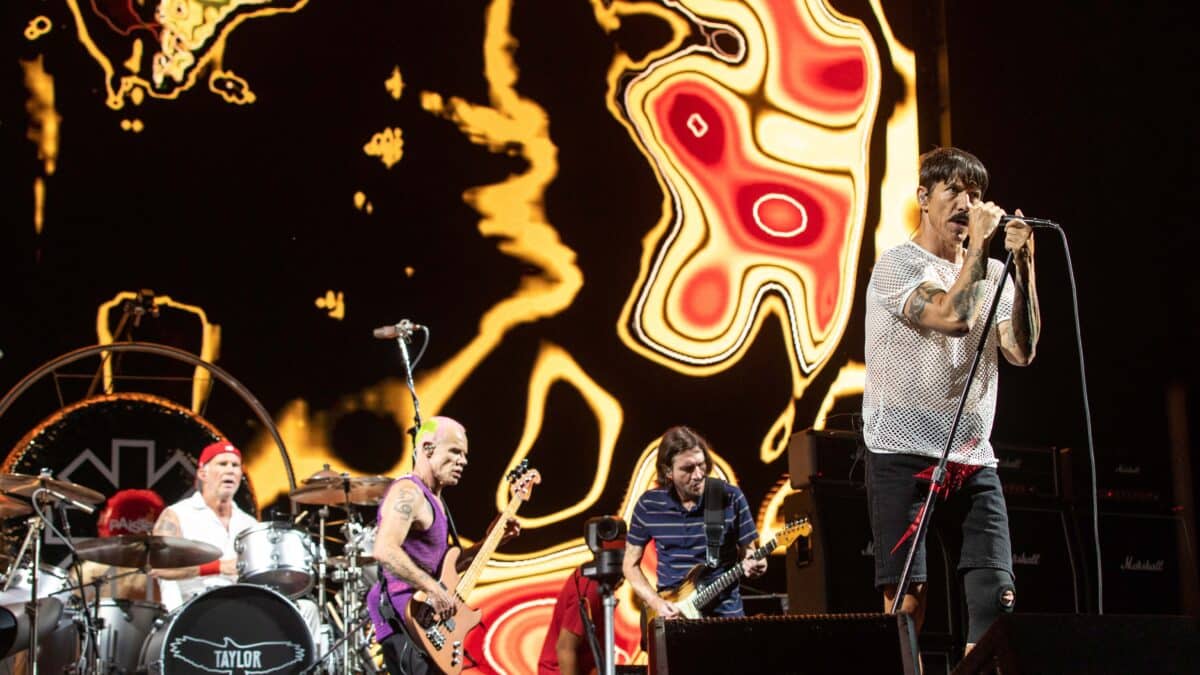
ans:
(927, 301)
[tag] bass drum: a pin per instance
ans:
(238, 628)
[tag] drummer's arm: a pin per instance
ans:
(168, 526)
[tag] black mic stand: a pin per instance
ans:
(939, 473)
(403, 336)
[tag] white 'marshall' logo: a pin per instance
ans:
(1132, 565)
(1027, 558)
(231, 657)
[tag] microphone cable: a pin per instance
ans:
(1087, 413)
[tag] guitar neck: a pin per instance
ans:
(486, 548)
(716, 586)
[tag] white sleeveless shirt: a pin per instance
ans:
(200, 523)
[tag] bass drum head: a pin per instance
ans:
(234, 629)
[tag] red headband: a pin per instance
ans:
(214, 449)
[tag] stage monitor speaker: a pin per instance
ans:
(784, 645)
(1097, 645)
(834, 569)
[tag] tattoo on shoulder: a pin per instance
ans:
(919, 301)
(167, 526)
(405, 504)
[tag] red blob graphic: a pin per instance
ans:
(764, 211)
(819, 75)
(705, 296)
(693, 122)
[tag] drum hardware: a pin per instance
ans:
(42, 489)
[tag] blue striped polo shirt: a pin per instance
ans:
(678, 535)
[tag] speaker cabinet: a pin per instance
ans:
(1143, 558)
(1044, 559)
(1097, 645)
(834, 569)
(792, 644)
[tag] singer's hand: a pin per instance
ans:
(982, 220)
(1018, 234)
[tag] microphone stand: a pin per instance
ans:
(402, 339)
(939, 473)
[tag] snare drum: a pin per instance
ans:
(276, 555)
(125, 625)
(233, 629)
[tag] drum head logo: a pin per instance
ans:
(233, 658)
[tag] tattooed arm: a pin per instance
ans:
(1019, 335)
(168, 526)
(954, 311)
(405, 509)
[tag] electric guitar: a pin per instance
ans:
(691, 597)
(443, 640)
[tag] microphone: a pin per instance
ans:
(404, 329)
(1032, 222)
(86, 508)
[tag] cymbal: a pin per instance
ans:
(362, 490)
(24, 485)
(10, 508)
(146, 550)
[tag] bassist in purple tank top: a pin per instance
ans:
(412, 541)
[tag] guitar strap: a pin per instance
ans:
(450, 524)
(714, 519)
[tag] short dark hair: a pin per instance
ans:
(674, 441)
(946, 164)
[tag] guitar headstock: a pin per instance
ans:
(799, 527)
(522, 479)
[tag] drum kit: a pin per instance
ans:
(253, 625)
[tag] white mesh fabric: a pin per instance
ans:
(915, 377)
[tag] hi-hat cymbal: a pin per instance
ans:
(337, 491)
(24, 485)
(146, 550)
(11, 508)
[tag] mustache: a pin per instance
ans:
(960, 218)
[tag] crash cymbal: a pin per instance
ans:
(368, 490)
(146, 550)
(362, 490)
(11, 508)
(24, 485)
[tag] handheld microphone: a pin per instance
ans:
(1032, 222)
(404, 329)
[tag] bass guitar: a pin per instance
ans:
(443, 639)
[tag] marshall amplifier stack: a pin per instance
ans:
(833, 570)
(1145, 544)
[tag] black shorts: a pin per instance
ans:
(974, 520)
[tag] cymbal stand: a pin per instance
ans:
(37, 525)
(322, 554)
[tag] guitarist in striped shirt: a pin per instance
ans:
(673, 516)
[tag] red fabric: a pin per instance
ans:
(130, 512)
(566, 615)
(210, 568)
(956, 475)
(214, 449)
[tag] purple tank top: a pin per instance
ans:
(427, 548)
